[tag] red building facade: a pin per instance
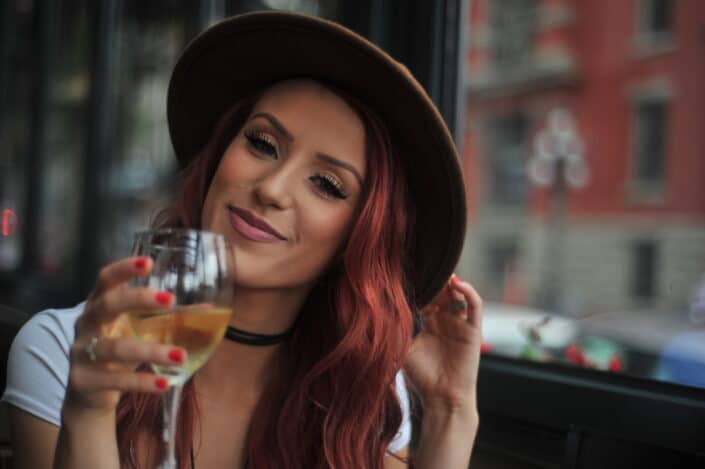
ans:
(631, 74)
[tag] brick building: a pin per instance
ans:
(632, 76)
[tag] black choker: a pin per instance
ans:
(250, 338)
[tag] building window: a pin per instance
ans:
(513, 23)
(656, 16)
(507, 160)
(643, 275)
(502, 255)
(650, 143)
(655, 25)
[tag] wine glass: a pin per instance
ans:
(196, 267)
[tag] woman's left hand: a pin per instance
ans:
(443, 360)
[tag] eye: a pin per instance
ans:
(329, 186)
(262, 143)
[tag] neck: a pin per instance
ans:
(242, 371)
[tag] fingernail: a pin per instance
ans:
(177, 355)
(161, 383)
(461, 283)
(140, 263)
(163, 298)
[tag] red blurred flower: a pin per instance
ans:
(615, 364)
(575, 355)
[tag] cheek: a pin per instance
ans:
(230, 175)
(325, 231)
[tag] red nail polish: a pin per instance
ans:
(177, 355)
(140, 263)
(161, 383)
(163, 298)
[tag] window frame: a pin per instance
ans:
(570, 404)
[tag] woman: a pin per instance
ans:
(345, 202)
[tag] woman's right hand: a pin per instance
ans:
(99, 373)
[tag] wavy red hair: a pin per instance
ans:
(332, 403)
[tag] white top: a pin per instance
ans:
(38, 369)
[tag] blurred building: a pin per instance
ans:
(631, 74)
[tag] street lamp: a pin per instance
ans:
(558, 164)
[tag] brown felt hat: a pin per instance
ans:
(240, 55)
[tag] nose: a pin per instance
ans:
(275, 188)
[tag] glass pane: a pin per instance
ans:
(149, 36)
(15, 104)
(139, 174)
(583, 158)
(85, 155)
(68, 84)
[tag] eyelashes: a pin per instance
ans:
(329, 185)
(326, 184)
(262, 143)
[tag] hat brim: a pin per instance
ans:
(240, 55)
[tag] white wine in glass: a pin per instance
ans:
(196, 267)
(199, 330)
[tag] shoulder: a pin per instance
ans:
(57, 325)
(38, 363)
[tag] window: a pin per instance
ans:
(644, 269)
(655, 26)
(501, 260)
(85, 156)
(657, 16)
(650, 143)
(584, 260)
(607, 288)
(506, 160)
(513, 26)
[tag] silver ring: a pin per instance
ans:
(458, 305)
(90, 348)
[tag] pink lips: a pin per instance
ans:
(252, 227)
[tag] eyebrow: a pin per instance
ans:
(342, 164)
(275, 123)
(321, 156)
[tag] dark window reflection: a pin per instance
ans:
(85, 157)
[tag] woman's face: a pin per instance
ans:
(288, 185)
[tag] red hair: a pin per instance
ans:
(332, 402)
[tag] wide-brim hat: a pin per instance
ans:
(240, 55)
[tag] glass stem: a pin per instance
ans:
(170, 411)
